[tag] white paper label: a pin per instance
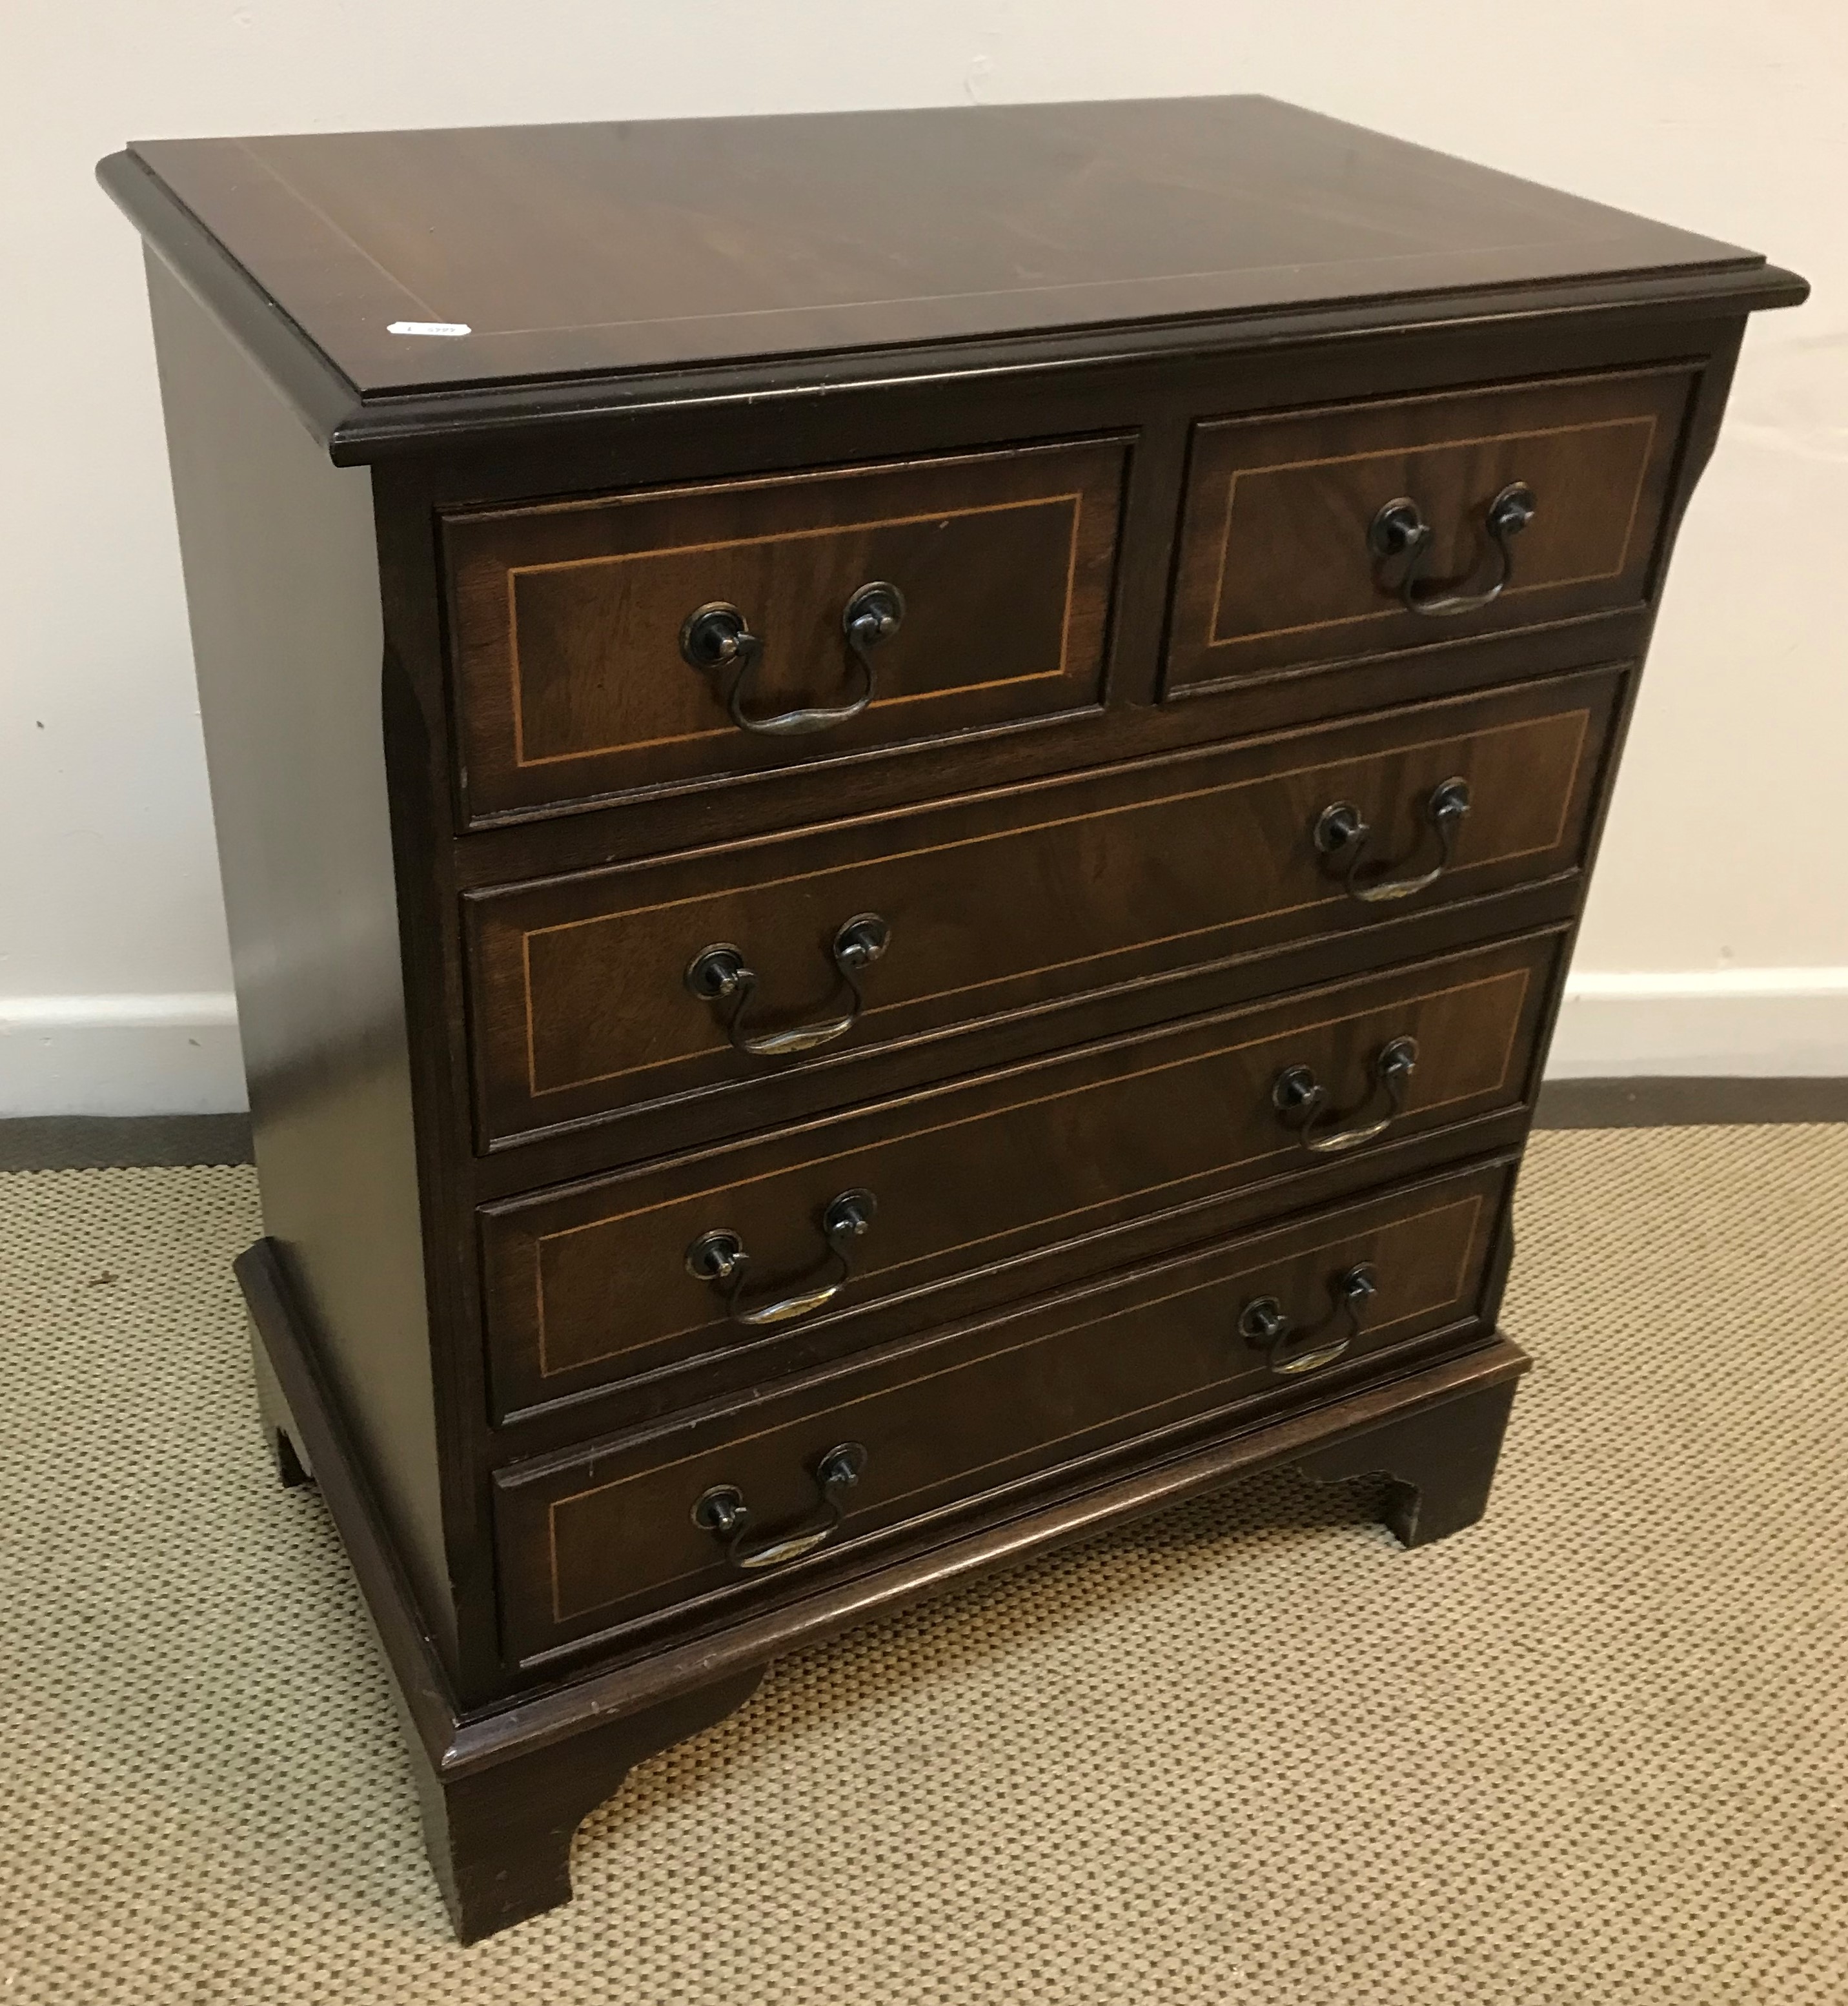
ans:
(429, 327)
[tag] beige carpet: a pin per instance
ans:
(1592, 1751)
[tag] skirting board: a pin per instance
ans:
(120, 1055)
(1623, 1041)
(1725, 1023)
(93, 1141)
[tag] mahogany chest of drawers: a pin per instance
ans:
(902, 801)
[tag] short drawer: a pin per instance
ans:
(1363, 529)
(795, 1234)
(582, 672)
(1010, 904)
(696, 1512)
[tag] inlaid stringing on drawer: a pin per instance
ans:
(1011, 902)
(591, 1285)
(906, 893)
(608, 1535)
(1279, 562)
(577, 659)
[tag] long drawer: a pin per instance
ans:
(693, 1513)
(675, 1263)
(605, 992)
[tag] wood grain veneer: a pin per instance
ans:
(1114, 393)
(1275, 569)
(1029, 900)
(591, 1285)
(566, 619)
(595, 1543)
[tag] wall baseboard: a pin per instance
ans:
(120, 1055)
(113, 1056)
(1725, 1023)
(106, 1142)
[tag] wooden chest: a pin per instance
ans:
(902, 799)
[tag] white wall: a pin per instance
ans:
(1718, 937)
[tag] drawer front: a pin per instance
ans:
(568, 622)
(594, 1542)
(582, 1008)
(618, 1277)
(1278, 565)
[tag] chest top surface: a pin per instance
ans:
(597, 250)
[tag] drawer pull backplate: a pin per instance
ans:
(719, 1258)
(1400, 530)
(723, 1512)
(718, 636)
(1266, 1322)
(1342, 831)
(720, 973)
(1301, 1101)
